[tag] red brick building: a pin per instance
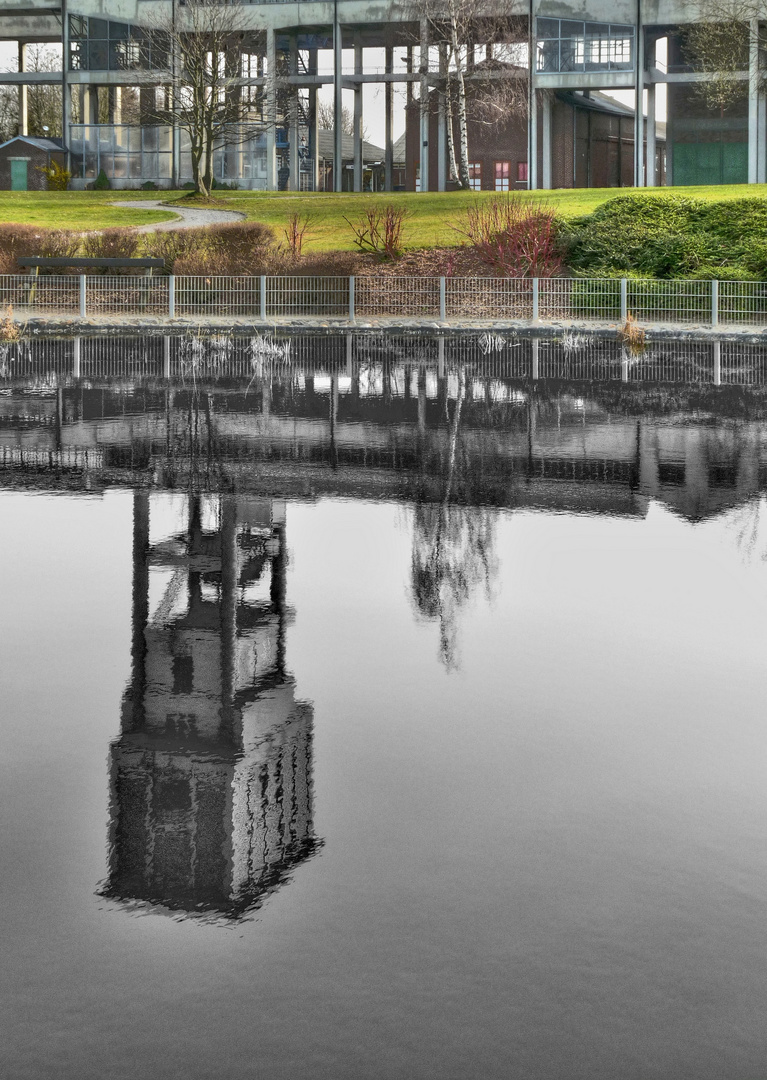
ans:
(592, 146)
(22, 158)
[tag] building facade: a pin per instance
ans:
(115, 89)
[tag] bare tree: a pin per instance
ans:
(489, 93)
(326, 119)
(202, 44)
(717, 44)
(43, 101)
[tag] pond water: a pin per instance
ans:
(392, 722)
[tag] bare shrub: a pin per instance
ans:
(379, 230)
(295, 232)
(239, 244)
(514, 237)
(172, 245)
(59, 244)
(112, 244)
(330, 264)
(30, 241)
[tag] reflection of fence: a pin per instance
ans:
(598, 300)
(376, 364)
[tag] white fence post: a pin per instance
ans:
(172, 296)
(536, 306)
(83, 281)
(262, 297)
(715, 304)
(624, 299)
(442, 300)
(351, 299)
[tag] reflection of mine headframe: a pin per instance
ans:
(211, 776)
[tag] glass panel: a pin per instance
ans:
(134, 165)
(547, 58)
(78, 56)
(98, 28)
(571, 29)
(548, 28)
(150, 138)
(106, 137)
(118, 31)
(134, 138)
(164, 164)
(78, 26)
(150, 168)
(98, 56)
(571, 54)
(120, 168)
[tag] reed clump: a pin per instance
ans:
(10, 330)
(632, 336)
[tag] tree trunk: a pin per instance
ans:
(452, 165)
(463, 131)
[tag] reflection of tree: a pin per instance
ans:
(747, 522)
(452, 547)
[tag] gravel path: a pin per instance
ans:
(187, 217)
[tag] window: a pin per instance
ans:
(522, 172)
(568, 45)
(475, 175)
(183, 674)
(502, 175)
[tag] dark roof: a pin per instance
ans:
(370, 152)
(42, 143)
(603, 103)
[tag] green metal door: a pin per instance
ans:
(710, 163)
(19, 175)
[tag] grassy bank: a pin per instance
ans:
(431, 216)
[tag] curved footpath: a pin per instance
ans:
(188, 217)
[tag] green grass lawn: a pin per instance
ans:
(430, 222)
(77, 209)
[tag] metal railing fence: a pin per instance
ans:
(583, 300)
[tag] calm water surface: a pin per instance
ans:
(445, 759)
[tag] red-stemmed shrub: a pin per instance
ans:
(514, 237)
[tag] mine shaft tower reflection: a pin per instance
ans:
(211, 778)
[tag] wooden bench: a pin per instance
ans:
(35, 263)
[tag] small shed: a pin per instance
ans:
(21, 159)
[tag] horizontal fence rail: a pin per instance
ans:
(587, 300)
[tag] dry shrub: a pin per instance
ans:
(171, 245)
(111, 244)
(9, 330)
(331, 264)
(295, 232)
(217, 250)
(514, 237)
(30, 241)
(379, 230)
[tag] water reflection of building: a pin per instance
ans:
(211, 776)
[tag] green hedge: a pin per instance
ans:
(669, 236)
